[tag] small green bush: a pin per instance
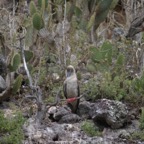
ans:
(116, 88)
(11, 129)
(90, 129)
(138, 135)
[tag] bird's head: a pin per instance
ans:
(70, 71)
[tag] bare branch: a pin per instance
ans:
(24, 62)
(64, 38)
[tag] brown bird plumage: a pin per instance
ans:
(71, 88)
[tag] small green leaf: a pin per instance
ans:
(17, 84)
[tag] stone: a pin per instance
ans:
(62, 115)
(124, 134)
(84, 109)
(62, 111)
(70, 118)
(2, 65)
(2, 84)
(52, 110)
(109, 113)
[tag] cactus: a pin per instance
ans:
(28, 55)
(38, 22)
(77, 11)
(15, 62)
(33, 8)
(120, 60)
(91, 21)
(96, 55)
(99, 14)
(17, 84)
(113, 4)
(42, 4)
(29, 38)
(101, 11)
(102, 54)
(106, 51)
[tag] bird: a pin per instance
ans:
(71, 89)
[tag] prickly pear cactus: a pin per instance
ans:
(114, 3)
(15, 62)
(100, 12)
(33, 8)
(17, 84)
(38, 22)
(28, 55)
(42, 5)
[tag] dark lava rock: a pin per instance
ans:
(109, 113)
(63, 115)
(60, 113)
(84, 109)
(70, 118)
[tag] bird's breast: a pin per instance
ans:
(72, 90)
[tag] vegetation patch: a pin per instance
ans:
(116, 88)
(138, 135)
(90, 129)
(11, 129)
(142, 119)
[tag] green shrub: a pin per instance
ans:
(138, 135)
(11, 129)
(112, 80)
(90, 129)
(106, 86)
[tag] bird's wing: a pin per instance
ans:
(78, 89)
(64, 89)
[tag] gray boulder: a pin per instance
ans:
(2, 65)
(2, 84)
(109, 113)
